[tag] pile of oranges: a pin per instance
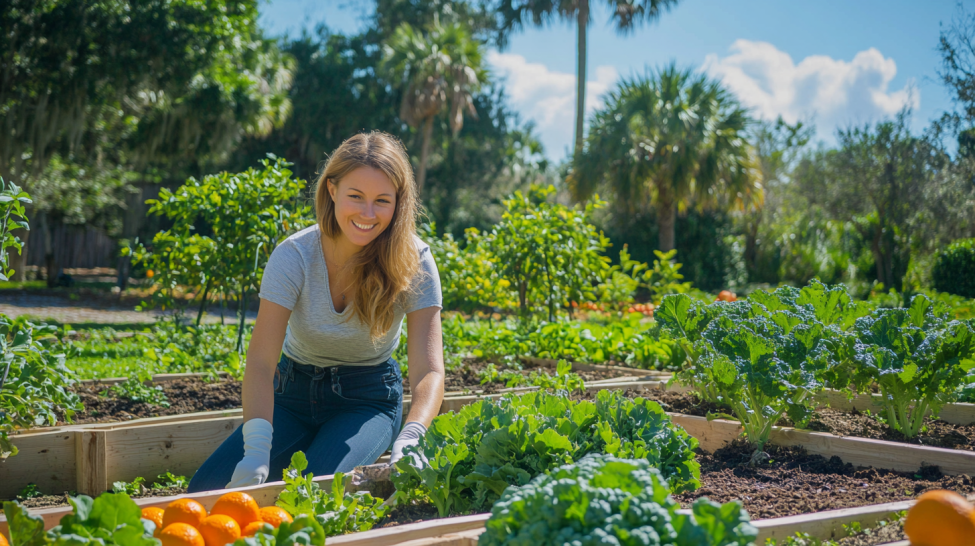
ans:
(645, 308)
(185, 522)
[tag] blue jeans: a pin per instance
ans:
(341, 417)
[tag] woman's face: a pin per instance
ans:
(365, 200)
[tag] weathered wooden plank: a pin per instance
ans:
(91, 448)
(147, 451)
(463, 538)
(828, 524)
(265, 494)
(956, 414)
(423, 530)
(46, 459)
(878, 453)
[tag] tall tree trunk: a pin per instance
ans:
(583, 16)
(50, 264)
(666, 216)
(421, 175)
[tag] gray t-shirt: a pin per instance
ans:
(296, 278)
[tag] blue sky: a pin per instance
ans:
(835, 62)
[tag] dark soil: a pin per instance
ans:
(185, 396)
(861, 425)
(935, 433)
(465, 377)
(50, 501)
(411, 513)
(195, 395)
(795, 482)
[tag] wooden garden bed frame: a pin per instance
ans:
(457, 530)
(89, 458)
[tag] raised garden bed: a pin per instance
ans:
(88, 459)
(823, 525)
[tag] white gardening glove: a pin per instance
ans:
(254, 467)
(409, 436)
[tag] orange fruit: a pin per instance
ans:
(253, 528)
(219, 530)
(186, 511)
(941, 518)
(155, 515)
(181, 534)
(3, 540)
(240, 506)
(275, 515)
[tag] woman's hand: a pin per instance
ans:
(425, 352)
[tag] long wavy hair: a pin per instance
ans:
(384, 268)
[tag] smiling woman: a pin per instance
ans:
(333, 299)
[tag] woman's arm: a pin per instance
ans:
(263, 353)
(425, 352)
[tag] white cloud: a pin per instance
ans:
(548, 97)
(835, 93)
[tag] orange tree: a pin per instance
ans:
(224, 229)
(550, 254)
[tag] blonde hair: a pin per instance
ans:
(384, 268)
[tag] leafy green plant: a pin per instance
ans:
(12, 216)
(608, 500)
(304, 531)
(135, 487)
(170, 480)
(136, 390)
(469, 279)
(563, 380)
(953, 266)
(29, 491)
(473, 455)
(917, 357)
(109, 519)
(34, 390)
(338, 512)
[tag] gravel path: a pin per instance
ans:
(67, 311)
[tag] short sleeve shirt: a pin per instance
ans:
(296, 278)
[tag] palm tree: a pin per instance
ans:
(442, 67)
(671, 138)
(626, 14)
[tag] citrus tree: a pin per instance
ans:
(243, 216)
(550, 254)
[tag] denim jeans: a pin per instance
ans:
(341, 417)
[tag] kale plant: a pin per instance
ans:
(764, 357)
(474, 455)
(917, 357)
(606, 500)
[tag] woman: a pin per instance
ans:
(334, 296)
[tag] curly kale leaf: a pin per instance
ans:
(607, 500)
(918, 359)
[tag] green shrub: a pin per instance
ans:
(954, 267)
(605, 500)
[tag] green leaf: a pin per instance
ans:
(24, 529)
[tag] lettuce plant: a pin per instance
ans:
(475, 454)
(304, 531)
(339, 512)
(107, 520)
(917, 357)
(606, 500)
